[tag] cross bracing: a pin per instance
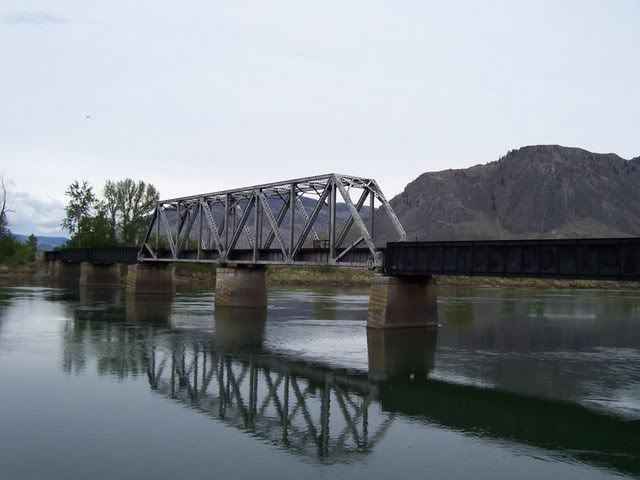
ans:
(305, 410)
(326, 219)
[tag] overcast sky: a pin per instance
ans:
(196, 96)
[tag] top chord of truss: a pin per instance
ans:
(240, 225)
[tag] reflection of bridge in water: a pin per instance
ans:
(334, 415)
(309, 411)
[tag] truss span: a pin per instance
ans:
(322, 220)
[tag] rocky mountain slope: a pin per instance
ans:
(542, 191)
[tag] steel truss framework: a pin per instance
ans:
(262, 224)
(307, 411)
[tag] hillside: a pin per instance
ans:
(44, 243)
(542, 191)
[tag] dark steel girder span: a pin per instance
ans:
(271, 224)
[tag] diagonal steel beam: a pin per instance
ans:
(356, 217)
(281, 215)
(347, 226)
(349, 248)
(148, 235)
(272, 222)
(212, 227)
(240, 227)
(312, 219)
(165, 224)
(247, 231)
(193, 215)
(306, 216)
(392, 215)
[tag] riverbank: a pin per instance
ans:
(204, 276)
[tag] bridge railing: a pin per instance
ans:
(615, 259)
(105, 256)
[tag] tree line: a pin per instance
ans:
(118, 217)
(12, 251)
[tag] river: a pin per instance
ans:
(515, 383)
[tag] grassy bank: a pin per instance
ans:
(311, 276)
(359, 277)
(496, 282)
(204, 276)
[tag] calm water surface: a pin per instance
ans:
(514, 384)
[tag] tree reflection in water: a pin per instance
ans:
(322, 412)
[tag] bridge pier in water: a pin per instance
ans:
(99, 274)
(64, 271)
(151, 278)
(403, 301)
(241, 286)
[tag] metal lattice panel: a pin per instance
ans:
(271, 224)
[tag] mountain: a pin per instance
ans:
(542, 191)
(44, 243)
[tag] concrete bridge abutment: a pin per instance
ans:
(402, 302)
(99, 274)
(241, 287)
(64, 271)
(151, 278)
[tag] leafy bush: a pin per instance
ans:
(12, 252)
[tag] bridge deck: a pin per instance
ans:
(597, 259)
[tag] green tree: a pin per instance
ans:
(93, 231)
(32, 243)
(128, 205)
(82, 202)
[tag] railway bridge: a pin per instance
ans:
(328, 220)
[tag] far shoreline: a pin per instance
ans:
(203, 276)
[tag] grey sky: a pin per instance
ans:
(204, 95)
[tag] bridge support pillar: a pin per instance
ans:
(151, 278)
(91, 274)
(60, 270)
(241, 287)
(402, 302)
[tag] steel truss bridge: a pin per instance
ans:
(308, 411)
(271, 224)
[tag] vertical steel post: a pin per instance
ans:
(226, 221)
(255, 228)
(292, 210)
(233, 215)
(177, 254)
(332, 221)
(200, 222)
(372, 207)
(157, 227)
(260, 213)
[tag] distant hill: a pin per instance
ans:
(543, 191)
(44, 243)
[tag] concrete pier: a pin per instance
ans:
(97, 274)
(400, 302)
(151, 278)
(241, 287)
(59, 270)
